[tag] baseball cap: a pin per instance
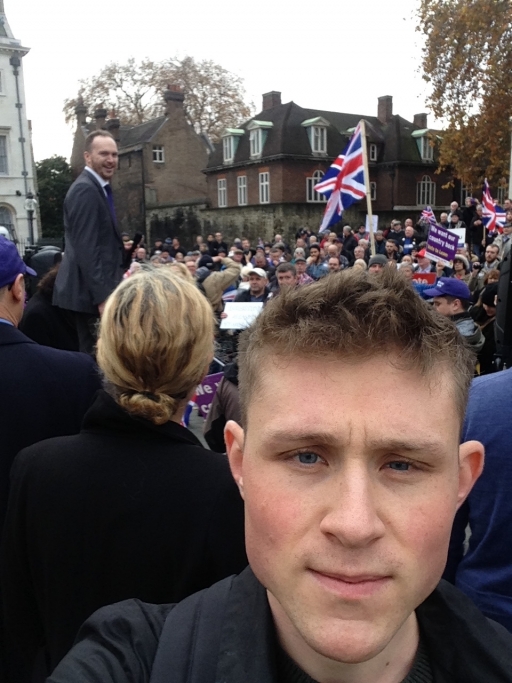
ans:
(259, 272)
(300, 258)
(449, 286)
(11, 263)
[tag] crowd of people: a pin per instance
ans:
(308, 542)
(246, 272)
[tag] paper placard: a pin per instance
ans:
(461, 232)
(441, 244)
(375, 223)
(206, 391)
(240, 315)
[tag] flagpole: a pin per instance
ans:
(367, 185)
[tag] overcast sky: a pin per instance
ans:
(338, 56)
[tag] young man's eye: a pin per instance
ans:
(400, 466)
(307, 458)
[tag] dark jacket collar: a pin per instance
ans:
(105, 415)
(11, 335)
(463, 645)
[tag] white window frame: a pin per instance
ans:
(501, 194)
(264, 187)
(228, 149)
(311, 195)
(241, 190)
(318, 139)
(256, 142)
(426, 192)
(426, 149)
(222, 193)
(2, 82)
(372, 152)
(373, 191)
(158, 154)
(5, 156)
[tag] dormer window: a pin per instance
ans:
(256, 141)
(230, 139)
(258, 131)
(317, 133)
(425, 144)
(373, 152)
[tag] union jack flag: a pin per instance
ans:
(344, 181)
(494, 216)
(428, 215)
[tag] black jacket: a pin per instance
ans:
(47, 324)
(43, 393)
(123, 509)
(226, 634)
(93, 261)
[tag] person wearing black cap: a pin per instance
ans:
(44, 392)
(452, 298)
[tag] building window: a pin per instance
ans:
(228, 148)
(373, 191)
(502, 195)
(465, 192)
(4, 168)
(158, 154)
(264, 186)
(241, 186)
(318, 139)
(6, 219)
(426, 192)
(222, 193)
(426, 148)
(256, 142)
(373, 152)
(311, 195)
(2, 92)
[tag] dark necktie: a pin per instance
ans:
(110, 200)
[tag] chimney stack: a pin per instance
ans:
(271, 99)
(385, 109)
(112, 125)
(174, 98)
(101, 116)
(420, 120)
(81, 111)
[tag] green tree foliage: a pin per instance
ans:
(54, 179)
(467, 62)
(214, 97)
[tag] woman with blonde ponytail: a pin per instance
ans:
(133, 506)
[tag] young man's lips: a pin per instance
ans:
(351, 586)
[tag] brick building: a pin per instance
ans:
(261, 176)
(159, 185)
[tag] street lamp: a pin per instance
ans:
(30, 207)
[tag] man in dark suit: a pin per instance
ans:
(43, 392)
(92, 265)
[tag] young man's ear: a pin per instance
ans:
(471, 464)
(234, 438)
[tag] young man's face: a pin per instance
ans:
(348, 522)
(447, 306)
(491, 254)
